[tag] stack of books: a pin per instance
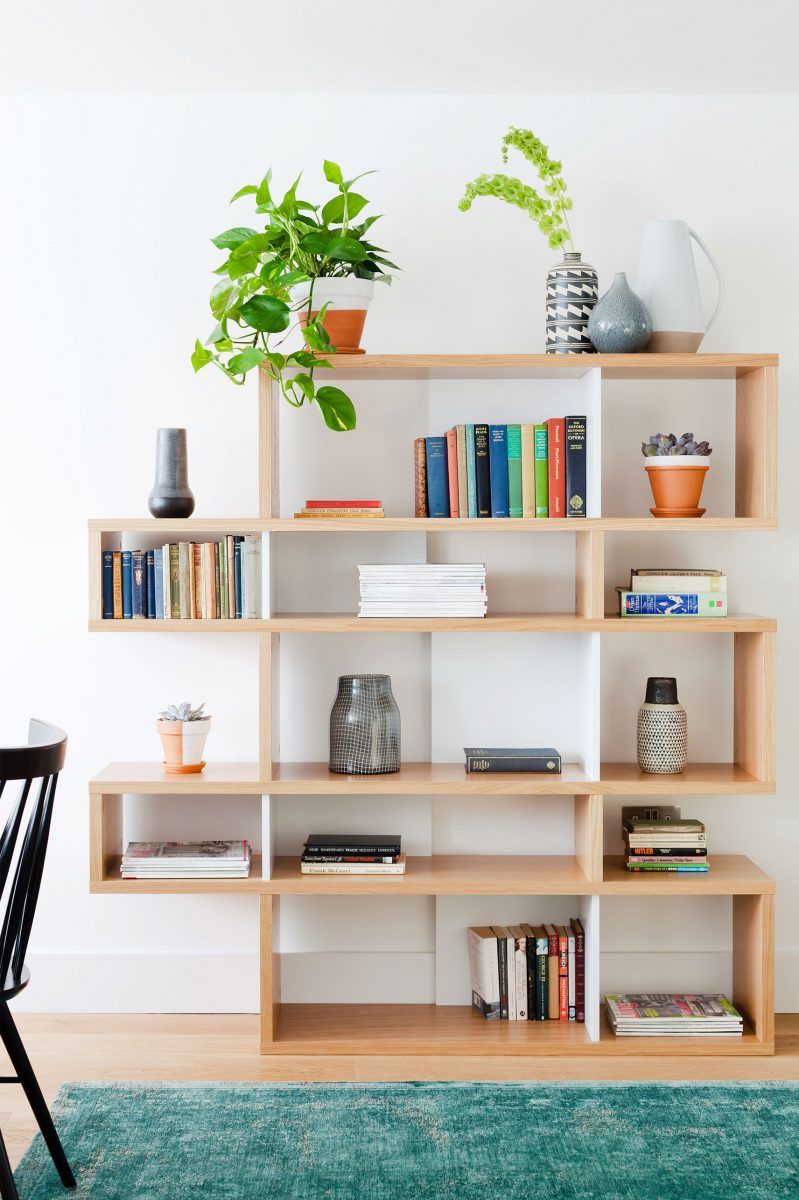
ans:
(674, 592)
(544, 760)
(503, 471)
(679, 845)
(184, 581)
(187, 860)
(671, 1014)
(346, 510)
(352, 854)
(423, 590)
(526, 973)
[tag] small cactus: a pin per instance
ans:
(184, 712)
(666, 445)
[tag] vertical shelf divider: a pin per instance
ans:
(756, 443)
(754, 703)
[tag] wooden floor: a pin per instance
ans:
(214, 1047)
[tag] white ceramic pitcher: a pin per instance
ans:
(668, 286)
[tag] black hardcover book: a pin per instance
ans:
(151, 584)
(108, 585)
(502, 963)
(531, 965)
(576, 450)
(542, 975)
(543, 759)
(353, 843)
(349, 858)
(482, 471)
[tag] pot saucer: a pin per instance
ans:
(678, 512)
(183, 768)
(349, 350)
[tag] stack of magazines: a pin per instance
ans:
(672, 1014)
(423, 590)
(187, 860)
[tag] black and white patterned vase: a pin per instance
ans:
(662, 729)
(364, 727)
(572, 292)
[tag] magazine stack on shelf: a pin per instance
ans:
(423, 590)
(187, 860)
(672, 1014)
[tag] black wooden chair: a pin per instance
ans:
(23, 846)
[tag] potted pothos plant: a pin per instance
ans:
(312, 267)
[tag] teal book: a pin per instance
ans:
(541, 471)
(471, 473)
(514, 470)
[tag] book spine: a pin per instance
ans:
(117, 584)
(482, 471)
(471, 476)
(437, 477)
(674, 858)
(556, 483)
(575, 453)
(217, 583)
(563, 975)
(463, 486)
(108, 585)
(192, 581)
(520, 965)
(542, 979)
(502, 967)
(196, 581)
(515, 497)
(510, 958)
(127, 585)
(531, 973)
(452, 472)
(579, 950)
(307, 868)
(185, 574)
(238, 546)
(253, 587)
(498, 469)
(419, 478)
(544, 766)
(174, 581)
(679, 583)
(151, 584)
(665, 851)
(345, 503)
(682, 867)
(572, 976)
(350, 858)
(553, 960)
(528, 470)
(389, 849)
(222, 554)
(231, 576)
(158, 581)
(486, 1008)
(138, 566)
(541, 472)
(673, 604)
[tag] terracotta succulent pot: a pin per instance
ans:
(347, 299)
(183, 743)
(676, 483)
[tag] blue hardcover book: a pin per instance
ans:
(108, 585)
(673, 604)
(437, 476)
(127, 585)
(237, 548)
(159, 583)
(139, 583)
(498, 462)
(471, 473)
(151, 584)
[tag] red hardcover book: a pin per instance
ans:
(452, 469)
(563, 972)
(556, 434)
(342, 504)
(579, 954)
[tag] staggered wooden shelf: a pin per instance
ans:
(586, 875)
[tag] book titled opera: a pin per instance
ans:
(543, 760)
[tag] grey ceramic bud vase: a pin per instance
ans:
(171, 495)
(620, 322)
(662, 729)
(364, 727)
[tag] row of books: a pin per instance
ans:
(423, 590)
(503, 471)
(343, 510)
(184, 580)
(678, 845)
(672, 1014)
(674, 592)
(526, 973)
(352, 854)
(187, 860)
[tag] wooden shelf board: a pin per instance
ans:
(734, 623)
(149, 778)
(729, 875)
(423, 779)
(698, 779)
(680, 1047)
(199, 529)
(144, 625)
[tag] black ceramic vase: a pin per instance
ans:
(171, 495)
(364, 727)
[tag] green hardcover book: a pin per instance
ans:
(223, 599)
(514, 441)
(174, 581)
(217, 582)
(541, 471)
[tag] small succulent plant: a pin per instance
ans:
(664, 445)
(184, 712)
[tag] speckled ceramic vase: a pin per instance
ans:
(662, 729)
(364, 727)
(620, 322)
(171, 495)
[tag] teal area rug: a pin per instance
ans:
(423, 1141)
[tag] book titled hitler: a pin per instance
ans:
(576, 472)
(437, 477)
(543, 760)
(498, 469)
(482, 471)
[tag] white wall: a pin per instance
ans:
(107, 204)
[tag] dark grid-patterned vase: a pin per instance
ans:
(662, 729)
(572, 292)
(364, 726)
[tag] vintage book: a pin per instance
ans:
(553, 962)
(117, 584)
(556, 441)
(353, 843)
(452, 472)
(313, 868)
(463, 488)
(484, 971)
(576, 467)
(563, 973)
(437, 477)
(150, 567)
(174, 581)
(419, 478)
(345, 514)
(541, 973)
(699, 868)
(108, 585)
(158, 576)
(671, 604)
(192, 583)
(217, 581)
(579, 968)
(498, 464)
(482, 471)
(138, 568)
(515, 500)
(207, 556)
(127, 585)
(677, 580)
(184, 579)
(676, 825)
(223, 581)
(352, 504)
(238, 546)
(528, 470)
(471, 476)
(251, 569)
(500, 933)
(230, 549)
(541, 472)
(545, 760)
(519, 939)
(197, 581)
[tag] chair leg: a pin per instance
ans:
(8, 1189)
(30, 1085)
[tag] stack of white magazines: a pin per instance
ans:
(423, 590)
(187, 860)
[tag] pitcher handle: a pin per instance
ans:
(719, 276)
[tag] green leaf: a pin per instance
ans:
(217, 334)
(262, 193)
(304, 358)
(266, 314)
(316, 335)
(288, 205)
(333, 211)
(236, 267)
(362, 175)
(221, 296)
(346, 249)
(248, 190)
(316, 243)
(200, 356)
(332, 172)
(232, 238)
(258, 243)
(306, 385)
(249, 358)
(337, 408)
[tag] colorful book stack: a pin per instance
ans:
(674, 592)
(352, 854)
(672, 1014)
(423, 590)
(527, 973)
(544, 760)
(341, 510)
(184, 580)
(187, 860)
(679, 845)
(503, 471)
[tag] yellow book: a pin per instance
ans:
(528, 470)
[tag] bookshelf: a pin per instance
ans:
(438, 386)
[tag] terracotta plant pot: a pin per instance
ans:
(347, 301)
(183, 743)
(676, 482)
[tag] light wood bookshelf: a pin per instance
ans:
(400, 1034)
